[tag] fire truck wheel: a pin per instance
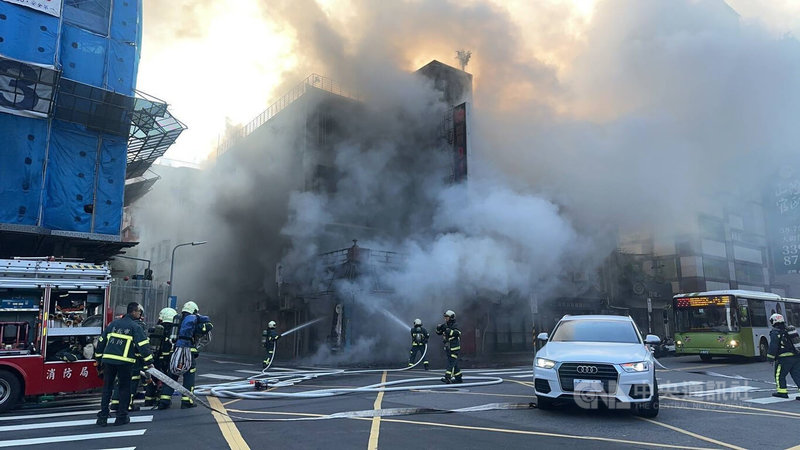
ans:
(10, 390)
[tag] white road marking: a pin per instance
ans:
(219, 377)
(232, 362)
(508, 373)
(44, 416)
(729, 390)
(681, 384)
(770, 400)
(254, 372)
(68, 423)
(70, 438)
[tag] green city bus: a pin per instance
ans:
(725, 323)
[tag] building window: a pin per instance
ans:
(711, 228)
(92, 15)
(747, 273)
(716, 268)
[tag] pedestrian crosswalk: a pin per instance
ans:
(28, 429)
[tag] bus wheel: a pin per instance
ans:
(705, 357)
(10, 390)
(762, 350)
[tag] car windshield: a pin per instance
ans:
(595, 331)
(708, 318)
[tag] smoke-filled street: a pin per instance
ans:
(399, 224)
(702, 407)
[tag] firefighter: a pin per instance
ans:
(136, 372)
(191, 327)
(270, 338)
(162, 350)
(116, 356)
(419, 338)
(451, 336)
(782, 351)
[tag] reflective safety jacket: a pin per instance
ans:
(121, 341)
(451, 336)
(779, 343)
(419, 336)
(271, 337)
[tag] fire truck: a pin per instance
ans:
(51, 314)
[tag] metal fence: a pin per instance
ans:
(152, 298)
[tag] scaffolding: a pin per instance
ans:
(153, 130)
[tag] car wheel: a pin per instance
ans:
(10, 390)
(649, 409)
(705, 358)
(544, 403)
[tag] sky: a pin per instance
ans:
(221, 62)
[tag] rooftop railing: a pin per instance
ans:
(312, 81)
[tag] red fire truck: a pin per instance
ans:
(51, 313)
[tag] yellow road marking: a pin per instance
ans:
(496, 430)
(784, 413)
(375, 430)
(689, 433)
(227, 427)
(231, 402)
(728, 412)
(524, 383)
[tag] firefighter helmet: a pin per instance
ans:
(417, 322)
(272, 324)
(167, 314)
(190, 307)
(450, 314)
(776, 319)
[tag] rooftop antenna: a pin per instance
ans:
(463, 58)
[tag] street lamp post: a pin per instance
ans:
(172, 263)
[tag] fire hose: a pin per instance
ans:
(244, 390)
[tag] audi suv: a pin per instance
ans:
(597, 361)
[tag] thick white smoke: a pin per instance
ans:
(631, 117)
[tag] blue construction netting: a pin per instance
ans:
(24, 143)
(27, 35)
(56, 174)
(69, 190)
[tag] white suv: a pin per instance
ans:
(593, 359)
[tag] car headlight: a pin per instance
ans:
(544, 363)
(679, 343)
(641, 366)
(733, 343)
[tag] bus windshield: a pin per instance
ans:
(708, 317)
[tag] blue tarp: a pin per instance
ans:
(70, 177)
(22, 151)
(110, 185)
(125, 20)
(83, 55)
(121, 67)
(27, 35)
(91, 15)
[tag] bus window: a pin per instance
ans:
(744, 317)
(793, 313)
(758, 315)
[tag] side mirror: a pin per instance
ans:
(542, 337)
(652, 339)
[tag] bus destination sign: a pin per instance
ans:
(699, 302)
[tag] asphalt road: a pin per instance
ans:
(721, 404)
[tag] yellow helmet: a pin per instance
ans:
(190, 307)
(167, 314)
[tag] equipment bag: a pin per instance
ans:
(794, 339)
